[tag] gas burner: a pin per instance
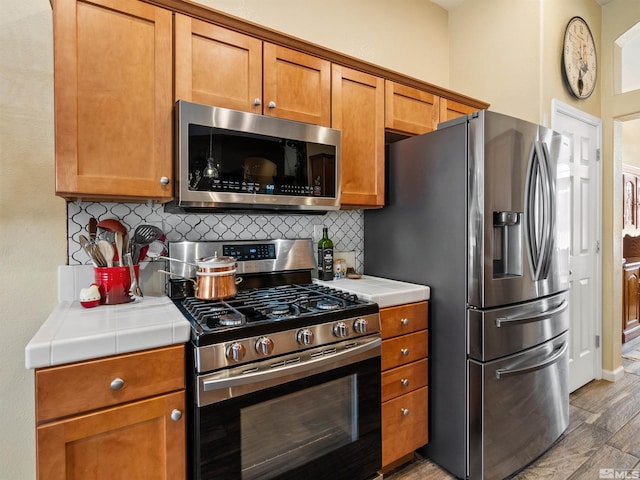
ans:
(279, 309)
(327, 304)
(231, 320)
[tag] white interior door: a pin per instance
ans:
(583, 132)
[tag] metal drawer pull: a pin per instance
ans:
(405, 412)
(176, 414)
(117, 384)
(404, 321)
(271, 104)
(405, 352)
(405, 382)
(505, 372)
(256, 102)
(531, 318)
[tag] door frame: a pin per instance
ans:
(560, 108)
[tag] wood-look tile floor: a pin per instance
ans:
(603, 433)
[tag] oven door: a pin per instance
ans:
(315, 417)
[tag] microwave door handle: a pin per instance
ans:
(369, 349)
(506, 321)
(505, 372)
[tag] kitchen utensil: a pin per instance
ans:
(91, 249)
(143, 237)
(117, 238)
(216, 278)
(106, 249)
(112, 225)
(134, 290)
(92, 228)
(145, 234)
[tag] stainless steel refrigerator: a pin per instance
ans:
(479, 211)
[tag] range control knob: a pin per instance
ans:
(236, 352)
(360, 325)
(304, 336)
(340, 329)
(264, 346)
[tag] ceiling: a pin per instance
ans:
(450, 4)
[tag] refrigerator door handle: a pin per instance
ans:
(506, 321)
(551, 210)
(539, 211)
(506, 372)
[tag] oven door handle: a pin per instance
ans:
(368, 349)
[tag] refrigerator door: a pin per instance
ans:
(499, 332)
(518, 211)
(518, 406)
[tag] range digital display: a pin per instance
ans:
(250, 252)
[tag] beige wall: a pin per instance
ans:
(408, 36)
(32, 219)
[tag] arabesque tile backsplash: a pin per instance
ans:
(346, 228)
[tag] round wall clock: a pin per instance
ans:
(579, 60)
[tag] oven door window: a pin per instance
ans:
(295, 429)
(327, 425)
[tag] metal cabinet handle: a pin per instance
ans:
(272, 104)
(405, 382)
(505, 372)
(257, 102)
(404, 321)
(405, 352)
(176, 414)
(117, 384)
(164, 180)
(405, 412)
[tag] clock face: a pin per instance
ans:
(579, 61)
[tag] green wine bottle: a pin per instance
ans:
(325, 256)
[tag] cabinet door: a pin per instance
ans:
(136, 440)
(450, 109)
(113, 111)
(631, 305)
(405, 425)
(216, 66)
(630, 201)
(409, 110)
(297, 86)
(358, 111)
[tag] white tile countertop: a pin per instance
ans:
(384, 292)
(73, 333)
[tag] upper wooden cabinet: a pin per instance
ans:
(409, 110)
(220, 67)
(358, 111)
(450, 109)
(113, 99)
(217, 66)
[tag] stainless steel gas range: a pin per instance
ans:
(284, 377)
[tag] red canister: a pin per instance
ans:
(114, 284)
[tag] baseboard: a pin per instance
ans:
(613, 376)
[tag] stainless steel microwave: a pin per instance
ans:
(226, 159)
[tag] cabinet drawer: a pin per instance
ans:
(401, 380)
(405, 425)
(80, 387)
(403, 319)
(405, 349)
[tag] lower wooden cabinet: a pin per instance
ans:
(120, 417)
(405, 399)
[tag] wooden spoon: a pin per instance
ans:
(106, 249)
(118, 239)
